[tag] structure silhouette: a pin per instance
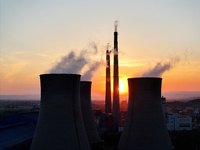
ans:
(145, 128)
(86, 108)
(108, 83)
(116, 109)
(60, 124)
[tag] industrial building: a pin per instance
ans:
(16, 131)
(173, 121)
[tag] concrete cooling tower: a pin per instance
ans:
(60, 124)
(86, 108)
(145, 128)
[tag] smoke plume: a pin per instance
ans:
(89, 73)
(76, 64)
(69, 64)
(160, 68)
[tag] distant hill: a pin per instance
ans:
(181, 104)
(20, 97)
(194, 103)
(181, 95)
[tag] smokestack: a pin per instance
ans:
(145, 126)
(108, 84)
(86, 108)
(116, 109)
(60, 124)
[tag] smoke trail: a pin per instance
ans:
(73, 64)
(89, 73)
(70, 64)
(94, 47)
(160, 68)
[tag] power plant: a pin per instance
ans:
(88, 119)
(145, 126)
(66, 119)
(60, 124)
(116, 109)
(108, 83)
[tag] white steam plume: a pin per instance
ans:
(69, 64)
(72, 64)
(160, 68)
(89, 73)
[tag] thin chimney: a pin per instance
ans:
(108, 84)
(116, 109)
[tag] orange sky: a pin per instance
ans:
(35, 35)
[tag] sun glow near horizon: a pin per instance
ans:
(123, 85)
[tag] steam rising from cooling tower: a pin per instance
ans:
(89, 73)
(70, 63)
(160, 68)
(79, 64)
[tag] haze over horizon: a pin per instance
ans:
(152, 35)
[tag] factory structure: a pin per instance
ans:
(173, 121)
(116, 107)
(145, 126)
(108, 83)
(72, 125)
(66, 118)
(60, 123)
(88, 119)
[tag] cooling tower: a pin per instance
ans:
(145, 128)
(86, 108)
(60, 124)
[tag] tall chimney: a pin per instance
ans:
(116, 109)
(86, 108)
(145, 126)
(60, 124)
(108, 84)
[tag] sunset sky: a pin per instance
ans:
(36, 34)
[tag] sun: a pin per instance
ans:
(123, 86)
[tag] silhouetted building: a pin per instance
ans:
(163, 102)
(174, 121)
(86, 108)
(123, 115)
(97, 116)
(16, 131)
(60, 124)
(145, 126)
